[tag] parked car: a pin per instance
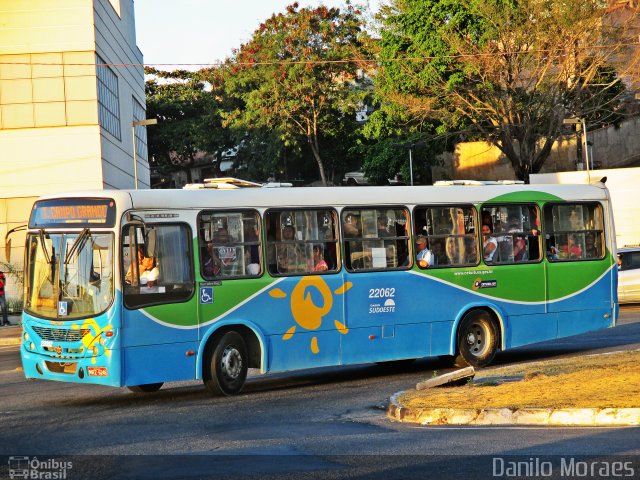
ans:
(629, 274)
(358, 178)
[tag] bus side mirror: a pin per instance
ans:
(151, 242)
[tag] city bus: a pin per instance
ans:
(139, 288)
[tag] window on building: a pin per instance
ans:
(510, 233)
(451, 234)
(375, 238)
(230, 244)
(574, 231)
(140, 130)
(302, 241)
(108, 99)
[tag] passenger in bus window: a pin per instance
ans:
(424, 256)
(574, 251)
(383, 232)
(144, 264)
(489, 243)
(319, 265)
(591, 247)
(212, 265)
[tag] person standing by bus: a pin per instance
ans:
(3, 301)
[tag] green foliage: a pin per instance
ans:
(293, 77)
(188, 110)
(510, 70)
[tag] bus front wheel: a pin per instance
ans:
(477, 339)
(146, 388)
(226, 365)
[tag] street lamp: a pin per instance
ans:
(134, 124)
(410, 147)
(581, 121)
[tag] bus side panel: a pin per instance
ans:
(159, 363)
(387, 317)
(584, 311)
(441, 334)
(154, 351)
(526, 329)
(304, 350)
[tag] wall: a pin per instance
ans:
(612, 147)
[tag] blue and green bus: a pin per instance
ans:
(294, 278)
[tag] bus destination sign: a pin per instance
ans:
(76, 212)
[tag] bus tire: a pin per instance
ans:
(477, 339)
(226, 365)
(146, 388)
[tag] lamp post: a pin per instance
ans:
(134, 124)
(581, 121)
(410, 147)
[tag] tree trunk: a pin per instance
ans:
(312, 137)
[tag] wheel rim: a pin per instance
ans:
(231, 363)
(477, 339)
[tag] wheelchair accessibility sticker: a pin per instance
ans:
(206, 295)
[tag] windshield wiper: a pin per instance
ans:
(78, 245)
(44, 246)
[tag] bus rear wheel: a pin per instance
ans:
(226, 365)
(146, 388)
(477, 339)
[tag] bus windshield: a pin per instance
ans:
(69, 275)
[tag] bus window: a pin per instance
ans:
(301, 241)
(376, 238)
(451, 234)
(157, 275)
(230, 244)
(574, 231)
(514, 231)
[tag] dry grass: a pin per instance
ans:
(597, 381)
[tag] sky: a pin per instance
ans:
(192, 33)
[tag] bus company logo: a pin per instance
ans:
(478, 283)
(33, 468)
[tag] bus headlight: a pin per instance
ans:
(102, 341)
(32, 347)
(25, 336)
(95, 350)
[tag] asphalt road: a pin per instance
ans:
(323, 423)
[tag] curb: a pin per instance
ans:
(507, 416)
(9, 341)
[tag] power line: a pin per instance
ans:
(558, 52)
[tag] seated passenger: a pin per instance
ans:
(489, 243)
(424, 256)
(144, 264)
(319, 265)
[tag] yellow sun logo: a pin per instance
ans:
(306, 313)
(91, 325)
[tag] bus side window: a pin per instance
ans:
(230, 245)
(515, 229)
(451, 233)
(301, 241)
(375, 238)
(574, 231)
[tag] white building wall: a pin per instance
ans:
(50, 134)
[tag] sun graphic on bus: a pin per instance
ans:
(307, 314)
(91, 340)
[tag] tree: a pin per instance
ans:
(187, 106)
(512, 70)
(294, 76)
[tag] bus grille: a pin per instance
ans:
(61, 334)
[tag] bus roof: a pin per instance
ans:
(337, 196)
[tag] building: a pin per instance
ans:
(71, 86)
